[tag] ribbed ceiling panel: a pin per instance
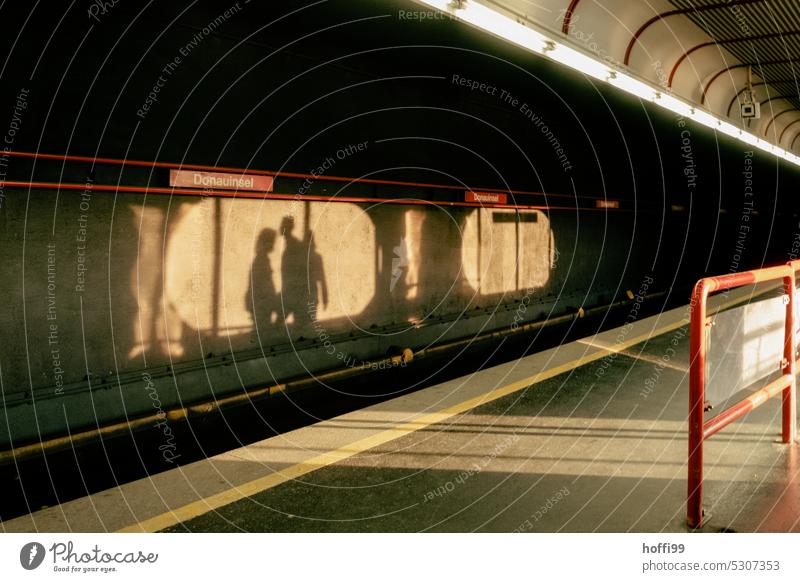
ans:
(741, 26)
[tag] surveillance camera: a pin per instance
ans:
(751, 110)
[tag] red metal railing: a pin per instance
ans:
(701, 428)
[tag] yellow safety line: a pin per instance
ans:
(207, 504)
(641, 357)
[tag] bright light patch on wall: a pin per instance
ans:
(527, 37)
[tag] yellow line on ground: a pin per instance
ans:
(641, 357)
(203, 506)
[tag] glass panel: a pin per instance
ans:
(745, 346)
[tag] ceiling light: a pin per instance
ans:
(632, 86)
(578, 61)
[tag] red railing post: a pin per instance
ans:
(789, 412)
(697, 379)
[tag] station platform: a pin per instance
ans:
(588, 436)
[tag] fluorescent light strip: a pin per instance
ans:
(632, 86)
(492, 21)
(509, 29)
(577, 60)
(667, 101)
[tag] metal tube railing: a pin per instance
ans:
(699, 428)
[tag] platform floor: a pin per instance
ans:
(589, 436)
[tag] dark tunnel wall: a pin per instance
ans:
(166, 293)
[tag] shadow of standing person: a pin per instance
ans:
(302, 279)
(317, 287)
(261, 299)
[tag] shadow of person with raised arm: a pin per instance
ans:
(302, 279)
(262, 300)
(317, 286)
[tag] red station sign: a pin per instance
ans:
(486, 197)
(607, 203)
(220, 181)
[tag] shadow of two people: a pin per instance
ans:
(302, 280)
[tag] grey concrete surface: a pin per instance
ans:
(569, 454)
(578, 438)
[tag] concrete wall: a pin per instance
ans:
(206, 295)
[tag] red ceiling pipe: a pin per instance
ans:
(646, 25)
(721, 72)
(760, 83)
(728, 41)
(568, 15)
(783, 133)
(791, 147)
(776, 116)
(776, 97)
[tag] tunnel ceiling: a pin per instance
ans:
(763, 34)
(700, 50)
